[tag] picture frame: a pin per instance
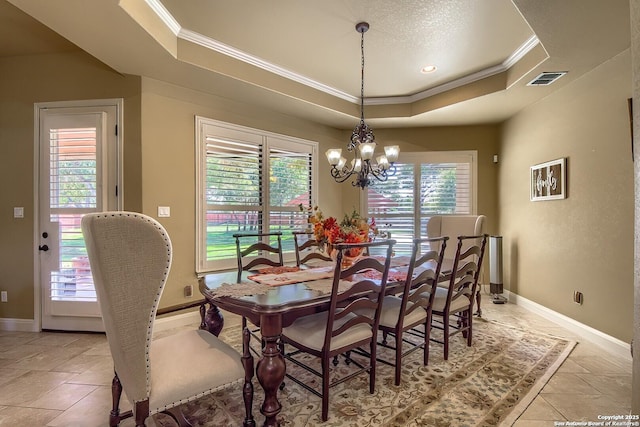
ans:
(548, 180)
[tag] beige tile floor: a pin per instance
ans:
(63, 379)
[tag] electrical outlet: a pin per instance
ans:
(3, 296)
(188, 291)
(577, 297)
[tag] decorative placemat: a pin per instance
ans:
(241, 289)
(324, 286)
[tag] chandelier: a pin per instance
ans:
(362, 167)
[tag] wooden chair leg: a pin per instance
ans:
(141, 412)
(325, 388)
(372, 365)
(116, 394)
(247, 390)
(398, 356)
(446, 336)
(469, 327)
(427, 337)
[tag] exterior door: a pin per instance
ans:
(78, 166)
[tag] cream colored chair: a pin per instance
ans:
(454, 226)
(130, 257)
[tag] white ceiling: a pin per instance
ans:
(302, 57)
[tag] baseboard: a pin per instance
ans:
(18, 325)
(161, 323)
(607, 342)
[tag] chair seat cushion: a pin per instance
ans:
(309, 331)
(188, 365)
(440, 300)
(391, 311)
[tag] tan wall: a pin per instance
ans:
(25, 80)
(168, 163)
(583, 243)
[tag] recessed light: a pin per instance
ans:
(428, 69)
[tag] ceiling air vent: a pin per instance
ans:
(545, 79)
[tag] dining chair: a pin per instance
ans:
(130, 257)
(454, 226)
(402, 313)
(455, 301)
(341, 329)
(257, 251)
(254, 250)
(307, 248)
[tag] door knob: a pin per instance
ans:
(43, 248)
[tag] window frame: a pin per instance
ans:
(417, 159)
(206, 127)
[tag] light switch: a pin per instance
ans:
(164, 211)
(18, 212)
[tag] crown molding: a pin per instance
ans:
(217, 46)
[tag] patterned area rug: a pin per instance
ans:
(490, 383)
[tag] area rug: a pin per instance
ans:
(488, 384)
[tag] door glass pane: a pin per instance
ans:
(73, 190)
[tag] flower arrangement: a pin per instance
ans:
(352, 229)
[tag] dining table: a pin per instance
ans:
(272, 299)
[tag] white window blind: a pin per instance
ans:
(424, 185)
(249, 181)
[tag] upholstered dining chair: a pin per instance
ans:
(402, 313)
(454, 226)
(130, 256)
(253, 251)
(341, 328)
(455, 302)
(307, 248)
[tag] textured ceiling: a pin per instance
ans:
(303, 57)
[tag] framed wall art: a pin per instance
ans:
(548, 180)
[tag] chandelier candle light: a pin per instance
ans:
(363, 145)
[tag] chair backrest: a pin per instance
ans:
(365, 294)
(422, 274)
(463, 278)
(130, 258)
(257, 251)
(454, 226)
(308, 248)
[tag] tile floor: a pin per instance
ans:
(63, 379)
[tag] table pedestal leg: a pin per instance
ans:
(271, 368)
(211, 319)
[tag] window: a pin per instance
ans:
(248, 181)
(425, 184)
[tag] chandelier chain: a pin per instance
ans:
(362, 76)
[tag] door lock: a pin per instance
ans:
(44, 248)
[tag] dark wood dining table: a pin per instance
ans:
(279, 307)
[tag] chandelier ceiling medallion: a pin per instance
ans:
(363, 145)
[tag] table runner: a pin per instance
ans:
(288, 278)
